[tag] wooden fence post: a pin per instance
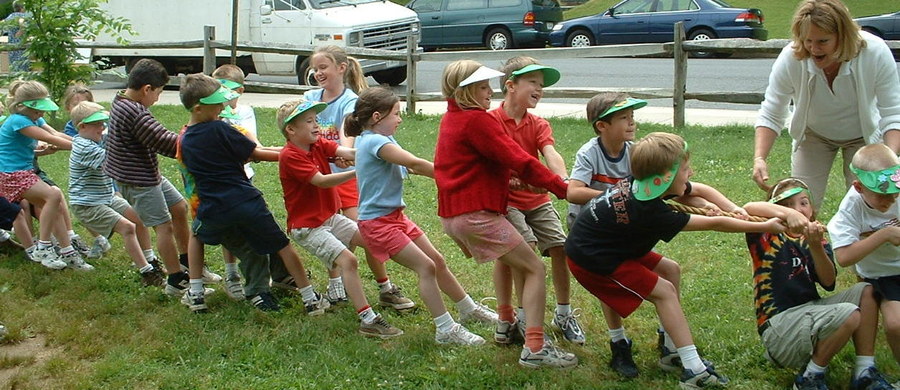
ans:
(209, 53)
(411, 46)
(680, 86)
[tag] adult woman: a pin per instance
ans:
(18, 59)
(845, 90)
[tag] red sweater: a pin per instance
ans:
(473, 160)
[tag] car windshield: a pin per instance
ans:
(319, 4)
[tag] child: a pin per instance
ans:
(312, 205)
(93, 199)
(473, 162)
(135, 138)
(532, 213)
(18, 137)
(387, 232)
(865, 232)
(796, 325)
(214, 154)
(610, 244)
(341, 78)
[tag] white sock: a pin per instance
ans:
(71, 234)
(196, 286)
(101, 240)
(146, 268)
(813, 368)
(66, 250)
(466, 305)
(520, 314)
(616, 335)
(444, 322)
(385, 286)
(41, 244)
(563, 310)
(862, 363)
(231, 269)
(367, 316)
(308, 293)
(336, 283)
(148, 254)
(690, 359)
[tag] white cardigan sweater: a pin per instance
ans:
(877, 86)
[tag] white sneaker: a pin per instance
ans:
(458, 335)
(234, 288)
(481, 314)
(80, 247)
(48, 258)
(74, 261)
(548, 356)
(210, 277)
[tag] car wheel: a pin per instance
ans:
(305, 76)
(702, 35)
(498, 39)
(579, 38)
(392, 77)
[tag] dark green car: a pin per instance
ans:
(495, 24)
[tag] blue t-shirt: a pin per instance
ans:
(70, 129)
(88, 185)
(331, 119)
(214, 153)
(16, 149)
(380, 183)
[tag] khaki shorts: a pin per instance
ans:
(540, 225)
(793, 333)
(327, 241)
(152, 203)
(102, 218)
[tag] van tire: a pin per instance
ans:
(498, 38)
(392, 77)
(302, 64)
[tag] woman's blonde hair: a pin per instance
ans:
(24, 90)
(75, 90)
(657, 153)
(354, 78)
(455, 73)
(831, 16)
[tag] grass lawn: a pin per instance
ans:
(778, 13)
(103, 330)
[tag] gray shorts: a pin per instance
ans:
(540, 225)
(793, 333)
(152, 203)
(102, 218)
(327, 241)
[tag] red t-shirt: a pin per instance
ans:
(532, 134)
(307, 206)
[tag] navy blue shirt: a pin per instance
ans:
(215, 153)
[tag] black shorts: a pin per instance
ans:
(250, 221)
(8, 213)
(887, 287)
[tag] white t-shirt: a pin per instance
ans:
(854, 218)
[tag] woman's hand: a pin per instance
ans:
(761, 173)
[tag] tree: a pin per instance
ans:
(50, 38)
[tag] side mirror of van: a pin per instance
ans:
(265, 10)
(611, 12)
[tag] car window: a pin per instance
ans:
(288, 5)
(466, 4)
(545, 3)
(427, 5)
(634, 6)
(676, 5)
(721, 3)
(505, 3)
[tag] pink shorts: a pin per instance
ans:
(626, 287)
(14, 184)
(483, 235)
(387, 235)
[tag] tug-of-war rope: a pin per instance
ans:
(702, 211)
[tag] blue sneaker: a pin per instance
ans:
(814, 382)
(870, 379)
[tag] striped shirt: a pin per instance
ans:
(134, 139)
(88, 185)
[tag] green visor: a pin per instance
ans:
(44, 104)
(221, 95)
(551, 75)
(627, 103)
(885, 181)
(653, 186)
(99, 116)
(232, 85)
(786, 194)
(228, 113)
(304, 107)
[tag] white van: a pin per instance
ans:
(374, 24)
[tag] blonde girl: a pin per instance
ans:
(19, 136)
(380, 165)
(74, 94)
(341, 78)
(473, 161)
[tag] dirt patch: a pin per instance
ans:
(31, 351)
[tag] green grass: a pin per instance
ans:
(778, 13)
(115, 334)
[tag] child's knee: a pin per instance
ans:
(125, 227)
(347, 261)
(668, 269)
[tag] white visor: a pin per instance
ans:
(482, 73)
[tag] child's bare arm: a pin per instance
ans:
(705, 196)
(42, 134)
(396, 155)
(732, 225)
(855, 252)
(346, 153)
(796, 221)
(554, 161)
(815, 235)
(579, 192)
(53, 131)
(331, 179)
(264, 154)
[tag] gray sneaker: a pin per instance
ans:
(508, 333)
(48, 258)
(74, 261)
(458, 335)
(196, 302)
(80, 247)
(395, 299)
(548, 356)
(568, 325)
(379, 328)
(317, 305)
(481, 314)
(705, 379)
(234, 288)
